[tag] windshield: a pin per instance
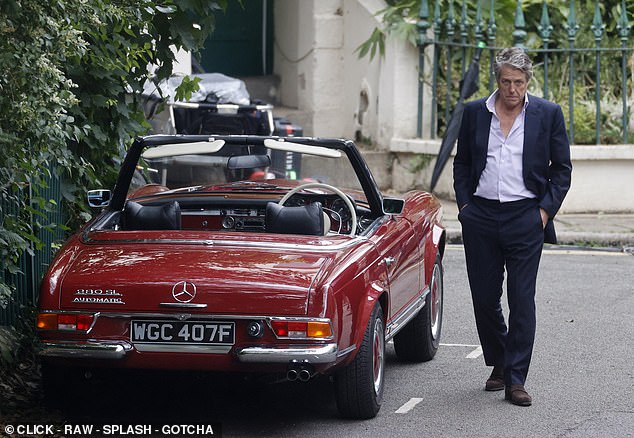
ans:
(240, 165)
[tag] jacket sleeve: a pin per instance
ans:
(560, 167)
(462, 163)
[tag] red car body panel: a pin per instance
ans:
(228, 280)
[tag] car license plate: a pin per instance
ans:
(183, 332)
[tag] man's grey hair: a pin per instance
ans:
(516, 58)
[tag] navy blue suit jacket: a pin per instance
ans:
(546, 158)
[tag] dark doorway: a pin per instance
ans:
(242, 43)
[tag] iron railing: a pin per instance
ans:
(32, 266)
(451, 38)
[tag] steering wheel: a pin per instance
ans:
(336, 191)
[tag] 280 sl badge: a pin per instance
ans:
(98, 296)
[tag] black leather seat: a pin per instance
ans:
(151, 217)
(307, 219)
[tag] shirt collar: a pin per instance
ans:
(490, 102)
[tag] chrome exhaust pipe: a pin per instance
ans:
(291, 375)
(304, 375)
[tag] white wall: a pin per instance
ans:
(602, 176)
(291, 47)
(361, 97)
(322, 76)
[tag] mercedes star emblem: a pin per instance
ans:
(184, 291)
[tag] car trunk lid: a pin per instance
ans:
(203, 279)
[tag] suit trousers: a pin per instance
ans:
(499, 236)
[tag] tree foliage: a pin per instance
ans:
(70, 73)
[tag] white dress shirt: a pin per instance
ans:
(502, 179)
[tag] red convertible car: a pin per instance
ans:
(248, 254)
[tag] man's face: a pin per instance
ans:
(512, 84)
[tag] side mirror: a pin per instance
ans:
(99, 198)
(393, 205)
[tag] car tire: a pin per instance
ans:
(359, 386)
(418, 341)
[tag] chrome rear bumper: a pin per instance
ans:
(85, 350)
(313, 354)
(119, 349)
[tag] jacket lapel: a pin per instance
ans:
(531, 130)
(482, 138)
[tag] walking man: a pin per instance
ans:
(511, 173)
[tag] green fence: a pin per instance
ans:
(581, 55)
(32, 267)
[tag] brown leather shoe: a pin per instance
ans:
(496, 381)
(517, 395)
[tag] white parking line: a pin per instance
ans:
(571, 250)
(586, 252)
(460, 345)
(408, 406)
(477, 352)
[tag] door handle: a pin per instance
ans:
(389, 261)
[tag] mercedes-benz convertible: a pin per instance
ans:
(248, 254)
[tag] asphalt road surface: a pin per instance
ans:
(581, 378)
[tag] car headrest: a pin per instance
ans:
(307, 219)
(151, 217)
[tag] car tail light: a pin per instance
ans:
(303, 329)
(65, 321)
(319, 330)
(47, 321)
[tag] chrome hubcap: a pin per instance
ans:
(378, 347)
(436, 301)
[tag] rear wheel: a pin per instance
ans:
(418, 341)
(359, 386)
